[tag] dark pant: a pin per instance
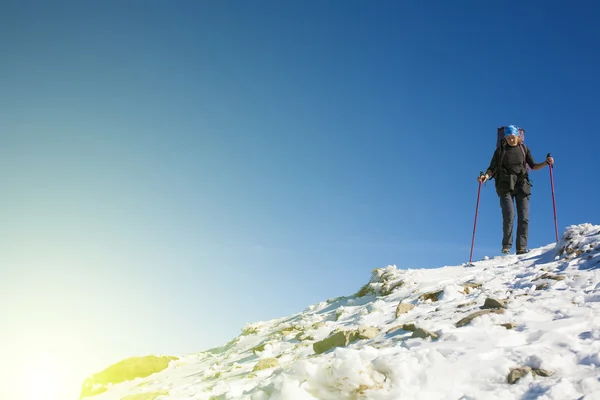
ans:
(508, 215)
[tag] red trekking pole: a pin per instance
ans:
(553, 200)
(475, 224)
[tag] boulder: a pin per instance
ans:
(423, 333)
(403, 308)
(367, 332)
(493, 303)
(517, 373)
(337, 339)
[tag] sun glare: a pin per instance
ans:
(47, 378)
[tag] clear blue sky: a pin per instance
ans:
(171, 170)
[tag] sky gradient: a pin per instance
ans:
(155, 156)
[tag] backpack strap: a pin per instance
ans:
(502, 152)
(524, 156)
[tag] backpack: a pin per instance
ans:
(501, 143)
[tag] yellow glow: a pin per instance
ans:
(45, 377)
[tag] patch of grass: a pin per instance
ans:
(365, 290)
(259, 348)
(250, 330)
(126, 370)
(266, 363)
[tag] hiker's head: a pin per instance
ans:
(511, 134)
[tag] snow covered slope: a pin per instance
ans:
(511, 327)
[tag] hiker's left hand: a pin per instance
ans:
(549, 160)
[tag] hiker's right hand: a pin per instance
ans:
(483, 178)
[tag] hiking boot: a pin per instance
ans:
(506, 250)
(522, 251)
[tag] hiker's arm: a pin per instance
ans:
(549, 161)
(537, 166)
(491, 171)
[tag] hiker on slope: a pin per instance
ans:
(509, 167)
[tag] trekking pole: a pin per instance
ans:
(553, 199)
(475, 224)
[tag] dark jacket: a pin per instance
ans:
(509, 168)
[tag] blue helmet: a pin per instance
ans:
(511, 130)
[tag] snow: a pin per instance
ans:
(551, 295)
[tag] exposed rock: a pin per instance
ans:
(466, 320)
(466, 304)
(303, 336)
(491, 303)
(509, 325)
(337, 339)
(541, 286)
(403, 308)
(433, 296)
(551, 276)
(423, 333)
(409, 327)
(517, 373)
(471, 285)
(383, 282)
(404, 327)
(367, 332)
(394, 329)
(542, 372)
(266, 363)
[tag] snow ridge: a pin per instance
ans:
(506, 327)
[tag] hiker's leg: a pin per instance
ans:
(523, 220)
(508, 216)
